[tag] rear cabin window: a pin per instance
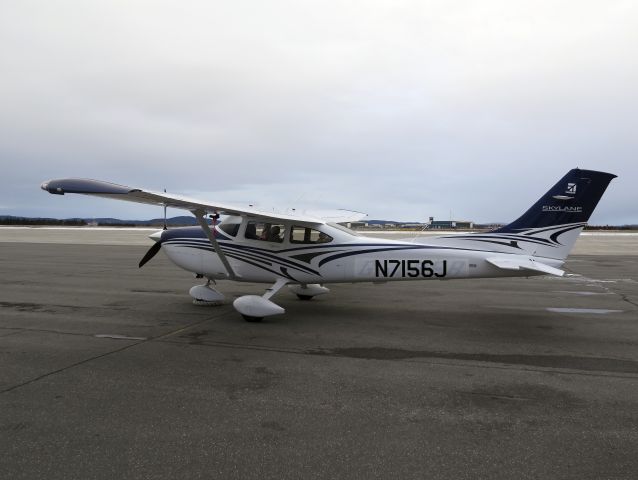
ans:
(308, 235)
(267, 232)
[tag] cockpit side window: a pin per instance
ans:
(267, 232)
(308, 235)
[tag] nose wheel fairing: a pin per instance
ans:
(206, 295)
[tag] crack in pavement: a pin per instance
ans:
(106, 354)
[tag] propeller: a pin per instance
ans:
(151, 253)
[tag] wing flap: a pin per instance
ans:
(524, 263)
(337, 216)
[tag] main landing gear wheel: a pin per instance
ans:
(254, 308)
(308, 291)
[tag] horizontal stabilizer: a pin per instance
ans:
(524, 263)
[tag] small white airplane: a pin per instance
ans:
(305, 252)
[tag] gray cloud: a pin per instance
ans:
(401, 109)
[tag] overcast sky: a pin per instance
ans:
(404, 110)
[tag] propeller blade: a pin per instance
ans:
(151, 253)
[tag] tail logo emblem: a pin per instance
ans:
(571, 188)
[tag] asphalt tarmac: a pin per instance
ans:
(108, 371)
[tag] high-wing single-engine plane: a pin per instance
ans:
(306, 252)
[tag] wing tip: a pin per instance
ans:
(84, 185)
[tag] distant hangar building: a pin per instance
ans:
(450, 224)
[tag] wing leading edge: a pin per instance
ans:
(98, 188)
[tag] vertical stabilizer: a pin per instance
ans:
(571, 201)
(550, 227)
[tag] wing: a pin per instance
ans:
(99, 188)
(520, 262)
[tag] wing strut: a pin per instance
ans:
(199, 215)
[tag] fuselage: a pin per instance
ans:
(325, 253)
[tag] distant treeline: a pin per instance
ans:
(69, 222)
(611, 227)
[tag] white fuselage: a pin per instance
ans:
(346, 257)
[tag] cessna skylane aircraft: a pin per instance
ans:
(305, 252)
